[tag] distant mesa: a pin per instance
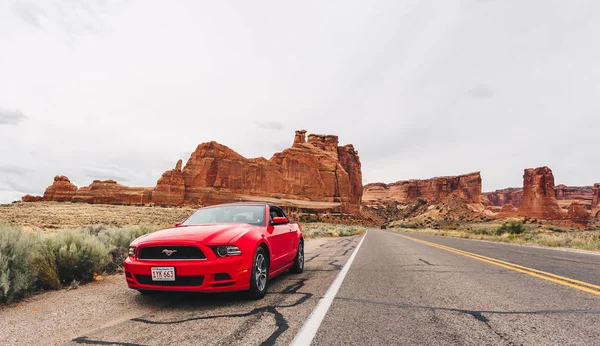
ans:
(467, 186)
(30, 198)
(315, 173)
(448, 200)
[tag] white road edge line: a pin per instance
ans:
(308, 331)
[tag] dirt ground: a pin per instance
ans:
(54, 215)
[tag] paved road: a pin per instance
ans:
(400, 291)
(231, 319)
(401, 288)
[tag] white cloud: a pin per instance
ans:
(11, 117)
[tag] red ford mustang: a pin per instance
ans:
(228, 247)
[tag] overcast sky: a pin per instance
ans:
(123, 89)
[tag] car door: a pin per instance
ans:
(279, 239)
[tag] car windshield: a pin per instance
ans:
(251, 214)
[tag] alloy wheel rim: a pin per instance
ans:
(261, 272)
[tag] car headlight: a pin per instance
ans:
(227, 250)
(132, 251)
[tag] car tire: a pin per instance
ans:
(298, 266)
(259, 278)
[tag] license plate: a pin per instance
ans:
(163, 273)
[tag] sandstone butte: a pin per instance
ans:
(315, 173)
(466, 186)
(539, 197)
(565, 195)
(596, 201)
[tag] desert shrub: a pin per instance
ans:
(312, 230)
(17, 274)
(117, 240)
(45, 264)
(77, 255)
(512, 227)
(347, 231)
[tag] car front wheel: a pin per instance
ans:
(260, 274)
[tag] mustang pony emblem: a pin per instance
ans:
(168, 252)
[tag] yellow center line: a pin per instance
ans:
(580, 285)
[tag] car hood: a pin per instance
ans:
(206, 234)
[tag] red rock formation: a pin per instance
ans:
(596, 201)
(170, 188)
(111, 192)
(61, 190)
(578, 212)
(467, 186)
(30, 198)
(539, 199)
(508, 210)
(317, 170)
(565, 195)
(499, 198)
(313, 174)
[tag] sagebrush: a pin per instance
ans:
(44, 260)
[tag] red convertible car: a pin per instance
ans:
(228, 247)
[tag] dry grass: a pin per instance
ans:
(321, 229)
(54, 215)
(584, 240)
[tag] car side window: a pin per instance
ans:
(275, 212)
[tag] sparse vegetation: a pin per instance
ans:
(511, 227)
(33, 260)
(17, 272)
(518, 233)
(319, 229)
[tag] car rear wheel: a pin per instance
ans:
(260, 274)
(298, 266)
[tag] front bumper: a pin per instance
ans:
(210, 275)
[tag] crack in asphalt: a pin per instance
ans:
(85, 340)
(424, 261)
(478, 315)
(473, 312)
(280, 321)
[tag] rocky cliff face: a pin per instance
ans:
(314, 170)
(584, 194)
(61, 190)
(467, 186)
(170, 188)
(513, 196)
(30, 198)
(578, 212)
(565, 196)
(596, 201)
(317, 171)
(539, 198)
(111, 192)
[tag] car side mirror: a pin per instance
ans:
(178, 224)
(280, 220)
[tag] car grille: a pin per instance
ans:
(178, 253)
(179, 281)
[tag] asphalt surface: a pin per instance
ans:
(232, 319)
(397, 291)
